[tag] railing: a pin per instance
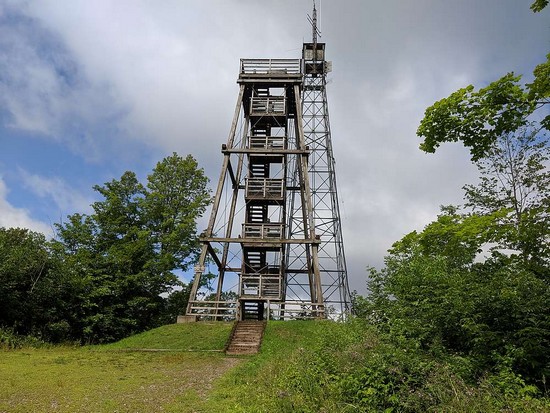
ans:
(268, 106)
(296, 310)
(267, 142)
(263, 231)
(264, 188)
(271, 67)
(260, 286)
(252, 268)
(224, 310)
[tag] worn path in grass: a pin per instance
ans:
(175, 368)
(120, 377)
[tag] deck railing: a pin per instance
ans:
(263, 231)
(214, 310)
(260, 286)
(268, 105)
(264, 188)
(267, 142)
(271, 67)
(296, 310)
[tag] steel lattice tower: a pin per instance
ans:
(315, 114)
(273, 247)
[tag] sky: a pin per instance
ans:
(91, 89)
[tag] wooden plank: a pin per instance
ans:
(261, 240)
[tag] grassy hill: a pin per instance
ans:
(130, 376)
(117, 377)
(303, 366)
(201, 336)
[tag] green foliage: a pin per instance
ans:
(352, 367)
(126, 252)
(457, 237)
(514, 179)
(36, 298)
(10, 340)
(434, 293)
(176, 196)
(23, 261)
(113, 272)
(479, 118)
(538, 5)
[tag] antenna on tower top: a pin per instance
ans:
(313, 21)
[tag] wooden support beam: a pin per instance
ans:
(231, 173)
(265, 152)
(315, 241)
(214, 255)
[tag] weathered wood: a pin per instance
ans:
(266, 117)
(246, 338)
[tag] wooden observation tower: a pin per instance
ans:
(273, 247)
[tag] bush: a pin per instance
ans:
(352, 368)
(9, 340)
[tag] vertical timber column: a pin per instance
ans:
(207, 251)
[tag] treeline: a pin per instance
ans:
(472, 290)
(462, 308)
(111, 273)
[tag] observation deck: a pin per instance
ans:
(261, 71)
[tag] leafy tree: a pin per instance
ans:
(125, 252)
(479, 118)
(175, 198)
(493, 313)
(36, 296)
(23, 262)
(434, 291)
(514, 179)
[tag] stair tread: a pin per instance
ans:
(246, 337)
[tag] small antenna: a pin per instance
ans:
(313, 21)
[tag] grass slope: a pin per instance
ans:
(253, 385)
(186, 337)
(303, 366)
(111, 378)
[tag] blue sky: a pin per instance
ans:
(89, 90)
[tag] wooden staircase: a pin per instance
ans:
(246, 337)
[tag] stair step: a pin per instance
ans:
(246, 337)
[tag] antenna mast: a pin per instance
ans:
(313, 21)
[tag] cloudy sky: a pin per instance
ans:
(90, 89)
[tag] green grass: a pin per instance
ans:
(86, 380)
(253, 386)
(193, 376)
(117, 377)
(201, 336)
(303, 366)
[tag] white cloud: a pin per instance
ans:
(66, 198)
(12, 217)
(104, 77)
